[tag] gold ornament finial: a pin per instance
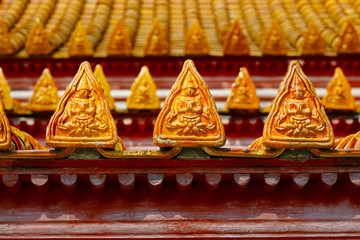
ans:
(143, 92)
(297, 118)
(119, 41)
(274, 42)
(5, 132)
(37, 42)
(157, 42)
(235, 42)
(79, 43)
(349, 38)
(313, 43)
(243, 93)
(45, 96)
(100, 76)
(338, 93)
(82, 118)
(196, 43)
(189, 117)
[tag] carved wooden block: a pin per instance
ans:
(184, 182)
(241, 181)
(155, 181)
(297, 119)
(213, 181)
(189, 116)
(69, 182)
(126, 182)
(41, 182)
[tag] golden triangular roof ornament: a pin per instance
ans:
(100, 76)
(5, 92)
(5, 131)
(37, 42)
(83, 117)
(235, 42)
(6, 47)
(297, 118)
(119, 41)
(338, 93)
(157, 42)
(45, 96)
(79, 43)
(243, 93)
(196, 43)
(274, 41)
(313, 43)
(189, 116)
(143, 92)
(349, 38)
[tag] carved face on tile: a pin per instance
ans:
(189, 116)
(83, 117)
(297, 118)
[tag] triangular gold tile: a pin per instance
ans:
(5, 92)
(45, 96)
(119, 41)
(338, 93)
(37, 42)
(100, 76)
(189, 116)
(83, 117)
(349, 38)
(274, 42)
(235, 42)
(196, 43)
(157, 42)
(243, 93)
(143, 92)
(79, 43)
(313, 43)
(297, 118)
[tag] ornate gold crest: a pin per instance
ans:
(349, 38)
(243, 93)
(297, 118)
(37, 42)
(274, 42)
(143, 92)
(157, 41)
(235, 42)
(6, 47)
(79, 43)
(100, 76)
(338, 95)
(45, 96)
(313, 43)
(83, 117)
(5, 92)
(119, 41)
(5, 132)
(189, 116)
(196, 43)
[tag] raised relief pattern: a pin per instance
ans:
(297, 119)
(235, 42)
(243, 93)
(338, 95)
(189, 116)
(143, 92)
(45, 97)
(83, 116)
